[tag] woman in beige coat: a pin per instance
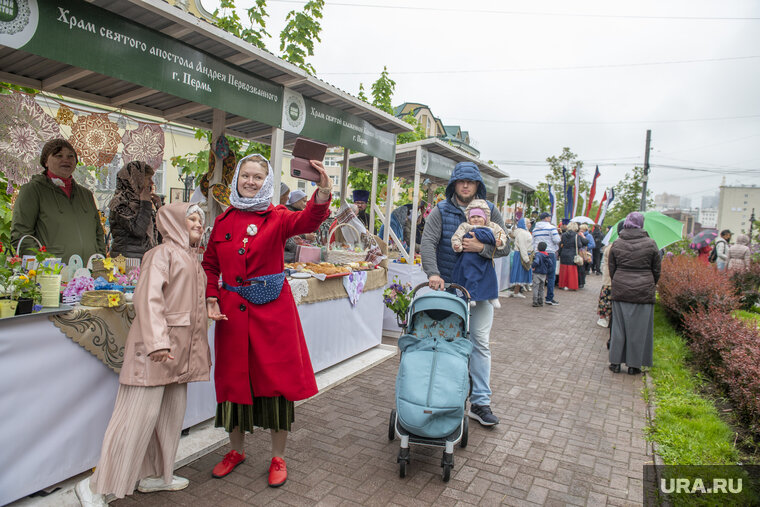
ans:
(739, 254)
(167, 347)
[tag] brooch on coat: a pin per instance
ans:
(252, 230)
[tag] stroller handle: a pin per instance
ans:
(446, 287)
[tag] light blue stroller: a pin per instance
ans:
(433, 380)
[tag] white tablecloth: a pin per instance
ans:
(56, 398)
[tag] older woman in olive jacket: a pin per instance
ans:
(634, 267)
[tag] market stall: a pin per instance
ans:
(61, 376)
(432, 160)
(156, 59)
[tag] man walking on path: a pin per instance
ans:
(596, 265)
(547, 232)
(438, 260)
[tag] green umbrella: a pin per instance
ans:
(663, 229)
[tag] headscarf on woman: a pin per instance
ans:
(521, 224)
(263, 198)
(634, 220)
(130, 183)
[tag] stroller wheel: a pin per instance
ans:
(392, 425)
(402, 469)
(465, 432)
(446, 473)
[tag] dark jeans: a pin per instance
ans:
(550, 276)
(596, 264)
(581, 275)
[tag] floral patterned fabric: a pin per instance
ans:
(24, 128)
(95, 139)
(449, 328)
(605, 303)
(144, 144)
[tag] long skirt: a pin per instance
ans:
(141, 439)
(275, 413)
(568, 276)
(632, 333)
(518, 275)
(604, 309)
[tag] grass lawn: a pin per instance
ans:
(687, 428)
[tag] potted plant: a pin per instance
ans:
(29, 293)
(397, 298)
(48, 278)
(10, 265)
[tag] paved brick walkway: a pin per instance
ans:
(570, 432)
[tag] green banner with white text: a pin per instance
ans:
(89, 37)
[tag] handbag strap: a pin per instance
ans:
(576, 244)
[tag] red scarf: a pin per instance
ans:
(67, 183)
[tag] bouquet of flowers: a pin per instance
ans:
(398, 297)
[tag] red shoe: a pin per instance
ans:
(278, 473)
(228, 464)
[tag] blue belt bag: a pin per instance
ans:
(262, 289)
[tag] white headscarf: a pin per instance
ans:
(262, 199)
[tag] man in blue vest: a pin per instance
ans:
(438, 259)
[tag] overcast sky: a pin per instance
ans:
(527, 78)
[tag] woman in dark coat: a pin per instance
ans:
(634, 267)
(570, 245)
(133, 212)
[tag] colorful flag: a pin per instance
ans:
(592, 192)
(610, 198)
(564, 189)
(552, 206)
(601, 205)
(577, 180)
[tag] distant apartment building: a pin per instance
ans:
(735, 207)
(687, 219)
(434, 127)
(708, 217)
(710, 201)
(685, 203)
(667, 201)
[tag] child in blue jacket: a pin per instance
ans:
(541, 266)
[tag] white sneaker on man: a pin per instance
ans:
(86, 497)
(518, 295)
(152, 484)
(603, 322)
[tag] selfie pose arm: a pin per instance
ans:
(317, 208)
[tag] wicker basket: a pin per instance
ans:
(101, 298)
(343, 256)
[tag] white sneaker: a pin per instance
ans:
(473, 303)
(519, 295)
(495, 303)
(86, 497)
(602, 322)
(151, 484)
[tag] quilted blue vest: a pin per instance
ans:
(451, 217)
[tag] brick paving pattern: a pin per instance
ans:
(571, 432)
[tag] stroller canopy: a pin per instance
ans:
(440, 300)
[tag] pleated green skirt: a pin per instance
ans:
(275, 413)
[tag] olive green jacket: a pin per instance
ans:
(64, 226)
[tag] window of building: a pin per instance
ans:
(332, 160)
(302, 185)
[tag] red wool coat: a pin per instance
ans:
(259, 346)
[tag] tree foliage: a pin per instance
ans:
(628, 196)
(228, 20)
(300, 32)
(417, 134)
(382, 92)
(362, 95)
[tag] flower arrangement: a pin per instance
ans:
(397, 298)
(76, 287)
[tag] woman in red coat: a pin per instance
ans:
(262, 363)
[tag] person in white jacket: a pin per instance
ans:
(547, 232)
(721, 249)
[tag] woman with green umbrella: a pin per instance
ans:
(634, 267)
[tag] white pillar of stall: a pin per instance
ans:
(373, 194)
(344, 176)
(415, 206)
(275, 159)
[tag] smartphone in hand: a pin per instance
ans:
(304, 151)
